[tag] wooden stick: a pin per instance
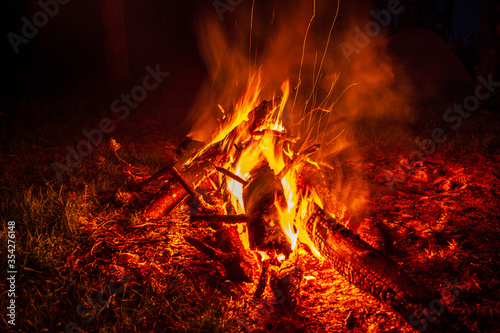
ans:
(230, 219)
(261, 286)
(298, 159)
(237, 264)
(163, 172)
(166, 199)
(171, 194)
(232, 175)
(190, 189)
(180, 178)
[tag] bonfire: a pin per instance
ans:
(260, 212)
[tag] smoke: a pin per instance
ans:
(344, 89)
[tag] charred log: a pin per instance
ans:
(238, 263)
(167, 198)
(373, 272)
(285, 285)
(259, 196)
(171, 194)
(261, 286)
(229, 219)
(236, 269)
(199, 200)
(228, 240)
(188, 149)
(258, 115)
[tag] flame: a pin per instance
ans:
(263, 255)
(250, 138)
(247, 150)
(255, 59)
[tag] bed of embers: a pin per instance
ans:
(439, 223)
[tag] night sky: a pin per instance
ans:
(68, 52)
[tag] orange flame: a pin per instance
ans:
(302, 62)
(263, 256)
(236, 132)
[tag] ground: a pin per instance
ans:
(85, 259)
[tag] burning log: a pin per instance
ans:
(231, 175)
(190, 189)
(229, 219)
(282, 137)
(261, 286)
(259, 197)
(371, 271)
(298, 159)
(285, 284)
(172, 193)
(263, 199)
(166, 199)
(258, 116)
(238, 263)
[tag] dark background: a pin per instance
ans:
(68, 54)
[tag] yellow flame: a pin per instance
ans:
(247, 154)
(237, 68)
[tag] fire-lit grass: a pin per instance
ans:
(55, 220)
